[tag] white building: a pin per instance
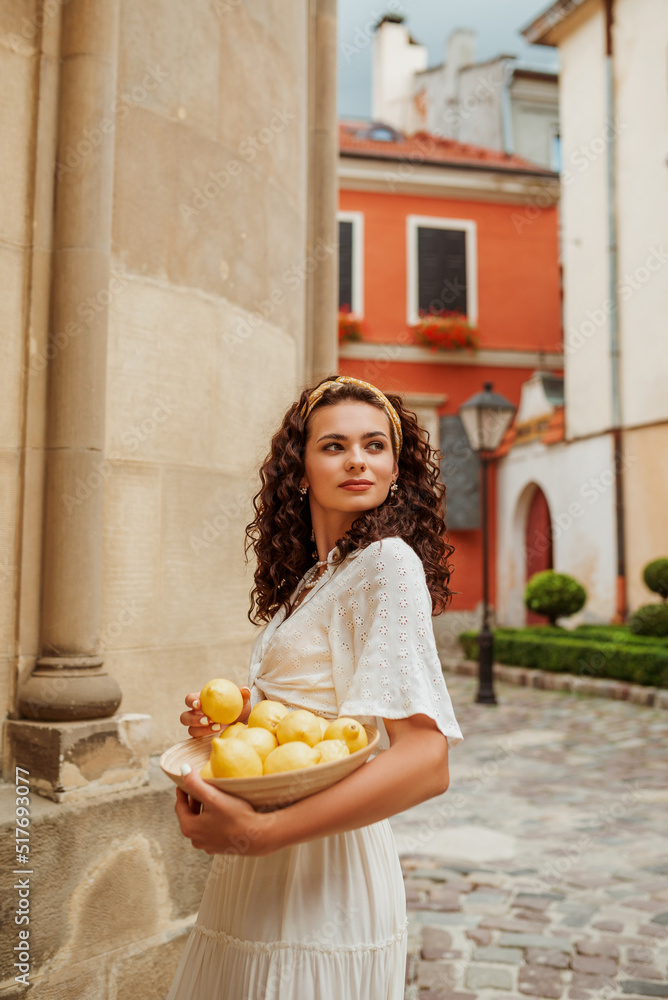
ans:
(606, 484)
(500, 104)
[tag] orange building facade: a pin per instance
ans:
(419, 214)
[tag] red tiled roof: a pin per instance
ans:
(507, 442)
(422, 147)
(553, 434)
(556, 429)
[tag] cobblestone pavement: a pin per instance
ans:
(543, 871)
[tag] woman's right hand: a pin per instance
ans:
(199, 725)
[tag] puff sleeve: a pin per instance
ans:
(397, 671)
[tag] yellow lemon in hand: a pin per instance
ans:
(206, 771)
(234, 759)
(233, 732)
(332, 750)
(267, 714)
(290, 757)
(350, 731)
(221, 701)
(261, 740)
(299, 725)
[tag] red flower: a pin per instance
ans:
(445, 330)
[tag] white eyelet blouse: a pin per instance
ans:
(360, 644)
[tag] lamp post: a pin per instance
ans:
(486, 417)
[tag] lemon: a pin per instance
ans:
(221, 701)
(233, 732)
(267, 714)
(299, 725)
(290, 757)
(261, 740)
(323, 725)
(206, 771)
(349, 730)
(332, 750)
(234, 759)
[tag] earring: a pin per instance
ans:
(393, 488)
(303, 490)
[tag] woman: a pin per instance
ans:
(308, 901)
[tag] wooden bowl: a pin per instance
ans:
(268, 791)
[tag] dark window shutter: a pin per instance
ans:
(346, 264)
(460, 471)
(442, 270)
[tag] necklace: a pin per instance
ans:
(315, 570)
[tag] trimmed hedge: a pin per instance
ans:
(632, 662)
(599, 633)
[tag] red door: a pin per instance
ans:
(538, 545)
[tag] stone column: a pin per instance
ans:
(69, 681)
(323, 237)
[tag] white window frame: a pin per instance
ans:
(413, 223)
(357, 219)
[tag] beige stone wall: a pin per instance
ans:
(223, 266)
(645, 492)
(112, 896)
(28, 76)
(212, 255)
(206, 332)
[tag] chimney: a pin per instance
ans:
(459, 52)
(396, 57)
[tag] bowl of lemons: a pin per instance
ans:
(277, 757)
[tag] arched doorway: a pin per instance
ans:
(537, 545)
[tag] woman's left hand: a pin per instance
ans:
(219, 823)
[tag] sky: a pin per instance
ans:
(496, 22)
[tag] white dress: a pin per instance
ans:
(326, 920)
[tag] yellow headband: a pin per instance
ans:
(395, 422)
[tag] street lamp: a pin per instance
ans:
(486, 417)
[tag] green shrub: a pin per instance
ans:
(650, 619)
(600, 633)
(635, 662)
(556, 595)
(655, 575)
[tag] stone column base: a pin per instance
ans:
(69, 761)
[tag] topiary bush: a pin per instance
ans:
(639, 664)
(650, 619)
(556, 595)
(655, 575)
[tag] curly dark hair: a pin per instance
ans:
(280, 534)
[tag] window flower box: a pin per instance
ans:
(445, 331)
(351, 326)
